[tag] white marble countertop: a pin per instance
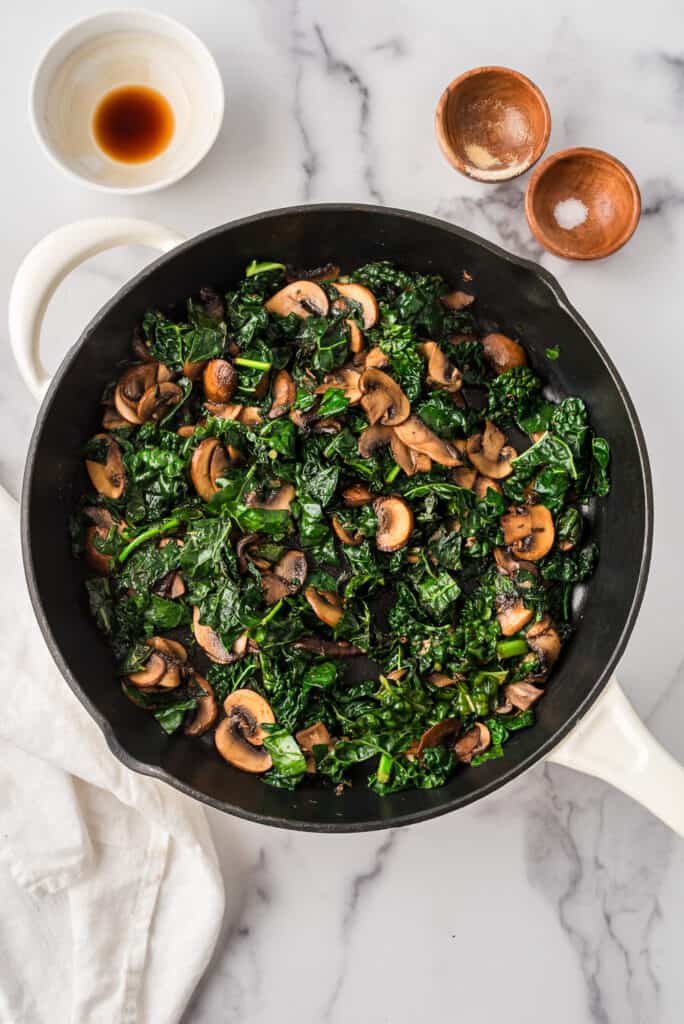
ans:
(559, 899)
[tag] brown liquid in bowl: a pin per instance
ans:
(133, 124)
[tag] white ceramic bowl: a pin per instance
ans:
(113, 49)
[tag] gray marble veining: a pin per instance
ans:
(557, 898)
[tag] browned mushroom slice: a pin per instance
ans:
(503, 353)
(414, 433)
(153, 671)
(540, 539)
(239, 737)
(207, 709)
(209, 641)
(512, 617)
(328, 648)
(108, 477)
(516, 524)
(437, 733)
(133, 384)
(316, 735)
(439, 370)
(158, 400)
(522, 695)
(475, 742)
(274, 588)
(112, 421)
(186, 431)
(395, 523)
(356, 495)
(356, 340)
(464, 477)
(224, 411)
(404, 457)
(382, 399)
(329, 425)
(544, 641)
(488, 453)
(365, 298)
(219, 380)
(292, 569)
(457, 300)
(346, 380)
(193, 371)
(440, 679)
(376, 359)
(168, 648)
(277, 500)
(209, 462)
(250, 415)
(326, 604)
(284, 393)
(351, 539)
(373, 438)
(303, 298)
(484, 484)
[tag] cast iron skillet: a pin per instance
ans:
(516, 296)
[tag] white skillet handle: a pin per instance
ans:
(46, 266)
(612, 743)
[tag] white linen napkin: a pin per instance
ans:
(110, 891)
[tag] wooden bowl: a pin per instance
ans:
(492, 123)
(582, 204)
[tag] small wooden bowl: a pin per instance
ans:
(582, 204)
(492, 123)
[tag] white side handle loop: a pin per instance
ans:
(46, 266)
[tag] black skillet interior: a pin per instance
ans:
(518, 298)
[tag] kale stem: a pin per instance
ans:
(510, 649)
(154, 531)
(254, 364)
(384, 768)
(394, 471)
(272, 612)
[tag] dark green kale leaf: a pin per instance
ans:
(514, 395)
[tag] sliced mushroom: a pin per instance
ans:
(207, 709)
(97, 560)
(395, 523)
(328, 648)
(328, 425)
(210, 642)
(133, 384)
(112, 421)
(440, 679)
(292, 568)
(193, 371)
(365, 298)
(158, 400)
(414, 433)
(153, 671)
(545, 642)
(373, 438)
(382, 399)
(439, 370)
(250, 415)
(488, 453)
(220, 380)
(303, 298)
(284, 394)
(239, 737)
(541, 535)
(350, 539)
(186, 431)
(464, 477)
(346, 380)
(168, 648)
(522, 695)
(316, 735)
(503, 353)
(356, 341)
(376, 359)
(457, 300)
(108, 477)
(274, 588)
(513, 616)
(225, 411)
(356, 495)
(326, 604)
(404, 456)
(437, 733)
(209, 462)
(516, 524)
(277, 500)
(475, 742)
(484, 484)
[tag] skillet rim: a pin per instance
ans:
(372, 824)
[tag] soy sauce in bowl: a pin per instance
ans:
(133, 124)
